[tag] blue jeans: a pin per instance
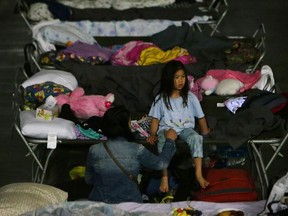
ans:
(190, 136)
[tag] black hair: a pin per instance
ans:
(167, 83)
(115, 123)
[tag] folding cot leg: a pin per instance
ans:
(40, 173)
(260, 173)
(252, 157)
(260, 165)
(277, 151)
(41, 167)
(29, 147)
(46, 165)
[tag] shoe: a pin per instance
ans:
(266, 81)
(168, 197)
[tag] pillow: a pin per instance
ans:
(40, 128)
(233, 104)
(19, 198)
(228, 87)
(60, 77)
(38, 93)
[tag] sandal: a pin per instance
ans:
(167, 199)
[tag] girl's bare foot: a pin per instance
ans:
(164, 187)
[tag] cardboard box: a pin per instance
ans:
(43, 112)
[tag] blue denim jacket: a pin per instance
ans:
(110, 184)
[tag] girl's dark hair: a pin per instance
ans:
(167, 83)
(115, 123)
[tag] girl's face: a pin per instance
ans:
(179, 80)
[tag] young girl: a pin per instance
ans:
(176, 107)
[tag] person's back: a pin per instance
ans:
(110, 183)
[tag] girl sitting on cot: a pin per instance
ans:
(176, 107)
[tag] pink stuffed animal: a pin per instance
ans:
(194, 87)
(86, 106)
(209, 84)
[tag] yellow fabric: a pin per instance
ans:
(77, 172)
(154, 55)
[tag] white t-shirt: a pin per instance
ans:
(179, 117)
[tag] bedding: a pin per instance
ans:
(133, 86)
(175, 12)
(208, 52)
(131, 20)
(39, 128)
(146, 209)
(63, 78)
(58, 32)
(76, 11)
(116, 4)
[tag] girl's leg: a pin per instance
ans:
(164, 185)
(195, 143)
(161, 140)
(198, 172)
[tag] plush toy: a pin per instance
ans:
(86, 106)
(208, 85)
(194, 87)
(228, 87)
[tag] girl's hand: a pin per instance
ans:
(152, 139)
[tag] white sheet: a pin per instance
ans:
(138, 209)
(207, 208)
(137, 27)
(116, 4)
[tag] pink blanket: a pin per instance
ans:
(249, 80)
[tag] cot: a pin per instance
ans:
(111, 21)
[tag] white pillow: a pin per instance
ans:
(64, 78)
(19, 198)
(40, 128)
(228, 87)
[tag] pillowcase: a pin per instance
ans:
(233, 104)
(228, 87)
(38, 93)
(19, 198)
(40, 128)
(60, 77)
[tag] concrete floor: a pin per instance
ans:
(14, 166)
(242, 19)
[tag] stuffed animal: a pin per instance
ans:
(228, 87)
(86, 106)
(208, 85)
(194, 87)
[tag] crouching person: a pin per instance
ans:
(110, 183)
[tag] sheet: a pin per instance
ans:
(137, 209)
